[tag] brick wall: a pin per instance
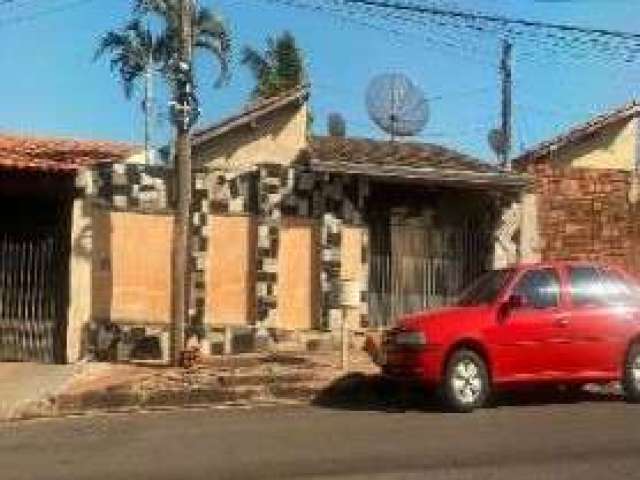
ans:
(585, 214)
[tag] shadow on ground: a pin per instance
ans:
(357, 391)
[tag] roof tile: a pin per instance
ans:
(57, 154)
(385, 153)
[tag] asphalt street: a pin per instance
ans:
(584, 440)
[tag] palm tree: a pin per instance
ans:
(132, 52)
(171, 52)
(136, 52)
(209, 35)
(278, 69)
(133, 55)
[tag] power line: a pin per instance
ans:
(575, 43)
(452, 43)
(498, 20)
(591, 45)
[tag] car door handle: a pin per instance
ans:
(561, 320)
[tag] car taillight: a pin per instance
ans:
(413, 339)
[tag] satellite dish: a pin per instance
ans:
(497, 142)
(397, 105)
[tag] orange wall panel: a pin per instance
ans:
(298, 275)
(231, 279)
(132, 267)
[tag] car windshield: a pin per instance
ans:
(485, 289)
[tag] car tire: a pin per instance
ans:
(631, 379)
(466, 384)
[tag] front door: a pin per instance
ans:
(531, 341)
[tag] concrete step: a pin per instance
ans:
(106, 400)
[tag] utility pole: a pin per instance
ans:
(148, 109)
(183, 114)
(505, 74)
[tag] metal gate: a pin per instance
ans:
(415, 268)
(34, 262)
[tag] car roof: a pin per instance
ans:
(560, 264)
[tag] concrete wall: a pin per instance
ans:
(131, 267)
(299, 274)
(80, 266)
(613, 147)
(230, 283)
(530, 243)
(275, 138)
(351, 265)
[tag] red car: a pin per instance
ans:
(567, 323)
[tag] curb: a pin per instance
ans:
(161, 401)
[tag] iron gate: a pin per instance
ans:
(34, 259)
(417, 268)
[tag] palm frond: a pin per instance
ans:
(131, 52)
(255, 61)
(212, 35)
(279, 68)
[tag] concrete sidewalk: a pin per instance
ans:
(25, 386)
(30, 390)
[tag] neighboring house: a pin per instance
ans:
(586, 190)
(42, 293)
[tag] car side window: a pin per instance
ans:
(539, 288)
(618, 290)
(586, 286)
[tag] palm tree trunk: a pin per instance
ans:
(181, 278)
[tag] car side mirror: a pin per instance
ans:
(514, 302)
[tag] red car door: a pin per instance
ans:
(531, 341)
(603, 313)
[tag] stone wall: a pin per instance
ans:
(587, 214)
(122, 257)
(134, 187)
(271, 193)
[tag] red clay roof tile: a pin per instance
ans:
(57, 154)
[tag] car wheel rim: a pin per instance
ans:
(466, 382)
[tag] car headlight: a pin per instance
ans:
(411, 339)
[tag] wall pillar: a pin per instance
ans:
(506, 250)
(529, 229)
(79, 313)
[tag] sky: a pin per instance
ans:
(52, 86)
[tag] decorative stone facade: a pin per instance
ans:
(587, 214)
(338, 204)
(273, 191)
(134, 187)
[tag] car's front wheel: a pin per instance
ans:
(466, 384)
(631, 380)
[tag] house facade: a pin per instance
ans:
(292, 234)
(296, 232)
(585, 187)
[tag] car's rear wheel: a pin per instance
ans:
(466, 384)
(631, 380)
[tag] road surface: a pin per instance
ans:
(586, 440)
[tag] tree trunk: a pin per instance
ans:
(181, 278)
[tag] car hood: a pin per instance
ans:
(419, 320)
